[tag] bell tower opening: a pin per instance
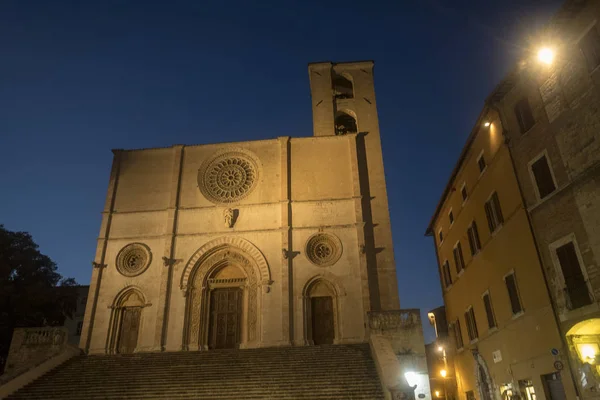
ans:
(344, 124)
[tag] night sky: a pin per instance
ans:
(80, 78)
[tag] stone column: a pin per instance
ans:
(99, 260)
(162, 319)
(287, 286)
(360, 228)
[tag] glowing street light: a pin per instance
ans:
(443, 373)
(487, 124)
(546, 55)
(440, 348)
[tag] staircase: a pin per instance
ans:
(314, 372)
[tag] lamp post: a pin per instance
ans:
(444, 373)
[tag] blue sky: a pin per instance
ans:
(78, 78)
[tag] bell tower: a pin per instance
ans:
(343, 103)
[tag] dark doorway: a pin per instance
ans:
(225, 318)
(485, 388)
(130, 328)
(554, 387)
(322, 320)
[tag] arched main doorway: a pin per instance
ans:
(222, 283)
(226, 288)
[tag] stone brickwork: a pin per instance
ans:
(565, 103)
(295, 217)
(565, 100)
(32, 346)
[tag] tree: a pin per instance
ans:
(32, 292)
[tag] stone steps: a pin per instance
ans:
(332, 372)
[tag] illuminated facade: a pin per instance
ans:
(498, 309)
(552, 121)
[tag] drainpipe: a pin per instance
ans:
(494, 106)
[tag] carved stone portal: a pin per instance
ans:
(205, 278)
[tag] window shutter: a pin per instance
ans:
(471, 241)
(456, 260)
(476, 236)
(497, 208)
(576, 285)
(543, 177)
(474, 323)
(511, 286)
(489, 216)
(489, 311)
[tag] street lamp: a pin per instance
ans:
(546, 55)
(443, 373)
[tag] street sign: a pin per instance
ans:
(558, 365)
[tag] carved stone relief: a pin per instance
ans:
(228, 177)
(323, 249)
(133, 259)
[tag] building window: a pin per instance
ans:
(542, 175)
(451, 217)
(471, 324)
(526, 387)
(79, 328)
(524, 115)
(576, 289)
(440, 236)
(446, 273)
(489, 311)
(463, 192)
(474, 242)
(470, 395)
(459, 261)
(493, 212)
(457, 335)
(590, 47)
(513, 293)
(481, 163)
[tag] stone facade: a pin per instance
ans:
(282, 222)
(564, 99)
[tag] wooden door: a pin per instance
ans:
(554, 387)
(225, 318)
(130, 328)
(322, 320)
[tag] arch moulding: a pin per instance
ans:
(221, 243)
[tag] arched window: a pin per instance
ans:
(342, 87)
(345, 123)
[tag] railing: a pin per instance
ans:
(44, 336)
(30, 347)
(387, 320)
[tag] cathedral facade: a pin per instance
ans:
(276, 242)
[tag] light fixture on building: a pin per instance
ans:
(546, 55)
(437, 393)
(443, 373)
(412, 378)
(487, 124)
(440, 348)
(588, 352)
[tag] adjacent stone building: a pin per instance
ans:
(552, 123)
(500, 315)
(546, 117)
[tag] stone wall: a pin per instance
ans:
(30, 347)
